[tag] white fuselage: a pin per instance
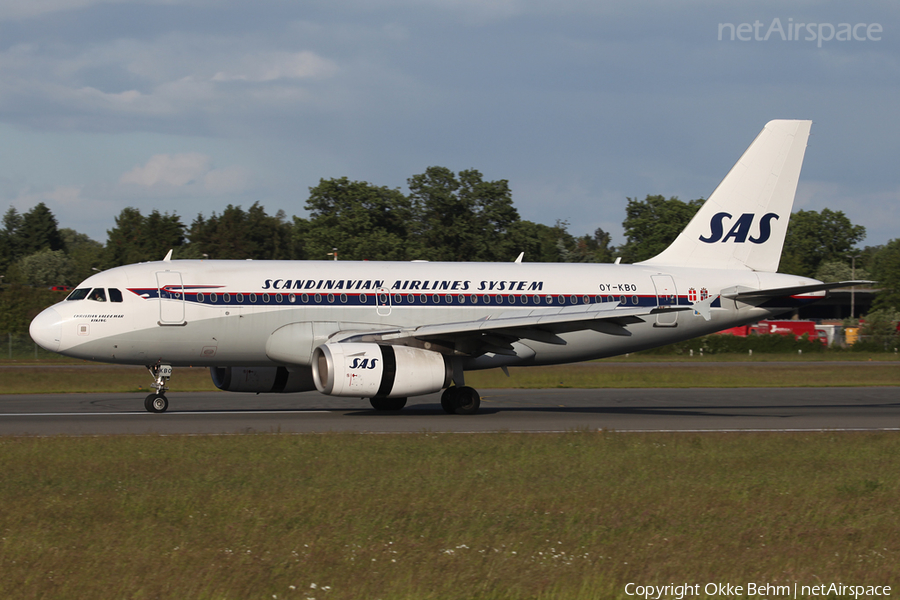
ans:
(223, 313)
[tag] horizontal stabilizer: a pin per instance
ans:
(792, 291)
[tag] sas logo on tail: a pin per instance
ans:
(740, 230)
(364, 363)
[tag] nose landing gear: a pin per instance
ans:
(157, 401)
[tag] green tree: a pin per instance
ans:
(239, 234)
(10, 240)
(591, 248)
(300, 229)
(814, 238)
(39, 230)
(838, 270)
(652, 224)
(878, 331)
(462, 218)
(19, 304)
(886, 271)
(46, 268)
(137, 238)
(363, 221)
(539, 242)
(84, 253)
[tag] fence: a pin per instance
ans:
(20, 346)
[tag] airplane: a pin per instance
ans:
(387, 331)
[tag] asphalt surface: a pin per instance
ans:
(695, 409)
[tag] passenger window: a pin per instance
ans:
(79, 294)
(97, 294)
(115, 295)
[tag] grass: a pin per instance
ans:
(54, 379)
(504, 516)
(679, 375)
(602, 374)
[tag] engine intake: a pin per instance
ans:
(262, 379)
(378, 370)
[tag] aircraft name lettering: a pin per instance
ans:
(97, 317)
(740, 231)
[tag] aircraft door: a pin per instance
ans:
(383, 302)
(666, 296)
(171, 298)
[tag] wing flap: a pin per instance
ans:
(543, 319)
(496, 334)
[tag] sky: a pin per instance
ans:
(187, 106)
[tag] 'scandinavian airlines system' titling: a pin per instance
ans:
(390, 330)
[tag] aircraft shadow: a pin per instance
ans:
(727, 410)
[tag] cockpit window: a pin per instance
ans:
(115, 295)
(79, 294)
(98, 294)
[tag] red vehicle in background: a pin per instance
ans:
(795, 328)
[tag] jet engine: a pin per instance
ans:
(262, 379)
(378, 370)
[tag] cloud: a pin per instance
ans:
(11, 10)
(176, 183)
(167, 173)
(230, 180)
(273, 66)
(169, 170)
(196, 84)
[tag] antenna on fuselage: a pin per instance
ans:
(168, 256)
(520, 257)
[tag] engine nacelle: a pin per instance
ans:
(262, 379)
(378, 371)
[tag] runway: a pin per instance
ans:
(547, 410)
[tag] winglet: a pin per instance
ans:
(168, 256)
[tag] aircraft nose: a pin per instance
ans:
(46, 330)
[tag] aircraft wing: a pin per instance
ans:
(540, 324)
(789, 291)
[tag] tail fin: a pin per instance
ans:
(743, 223)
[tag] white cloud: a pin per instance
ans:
(65, 195)
(168, 81)
(18, 9)
(169, 169)
(230, 180)
(278, 65)
(163, 172)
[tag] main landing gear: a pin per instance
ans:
(387, 403)
(456, 400)
(157, 401)
(460, 400)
